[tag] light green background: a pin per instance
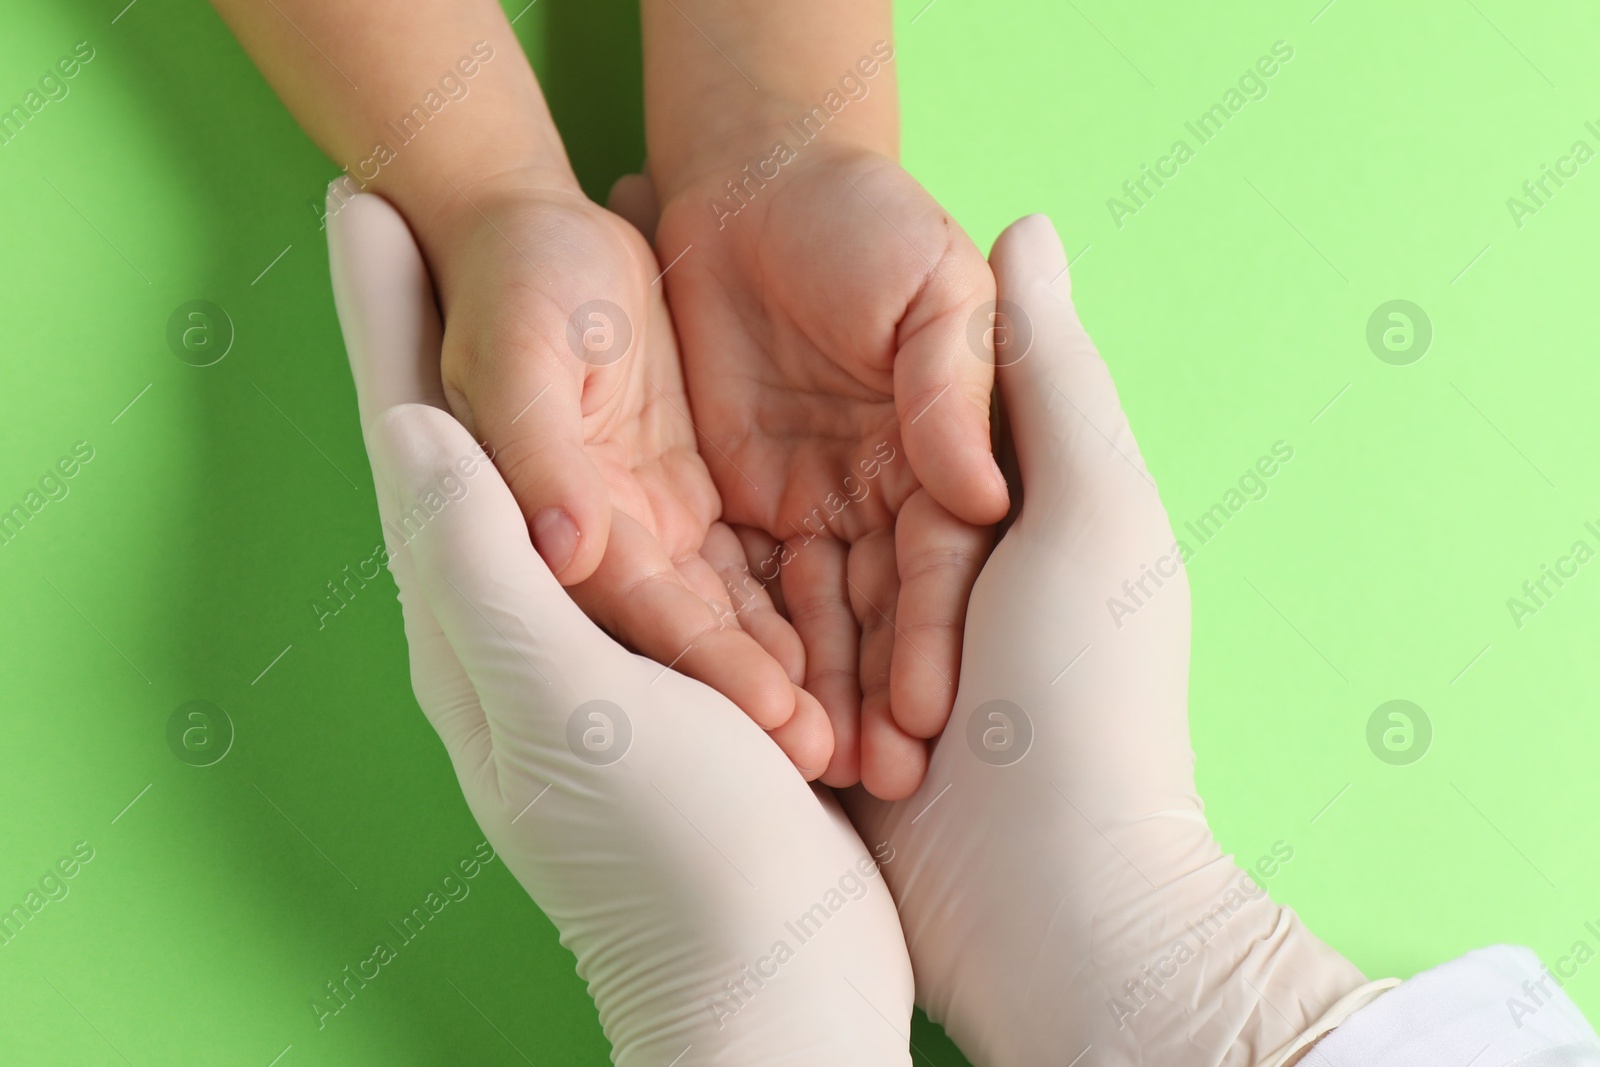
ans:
(1232, 309)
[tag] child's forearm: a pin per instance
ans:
(418, 100)
(723, 77)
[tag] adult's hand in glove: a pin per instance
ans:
(720, 910)
(1056, 879)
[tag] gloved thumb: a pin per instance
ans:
(386, 304)
(391, 327)
(1067, 423)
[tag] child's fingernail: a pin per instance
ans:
(555, 535)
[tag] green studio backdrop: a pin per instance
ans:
(1441, 453)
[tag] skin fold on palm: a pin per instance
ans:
(844, 411)
(559, 354)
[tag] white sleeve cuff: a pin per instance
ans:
(1493, 1007)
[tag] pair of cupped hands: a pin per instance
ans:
(722, 909)
(759, 450)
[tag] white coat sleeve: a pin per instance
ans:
(1494, 1007)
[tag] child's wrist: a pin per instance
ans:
(446, 214)
(768, 141)
(455, 204)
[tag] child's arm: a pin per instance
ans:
(355, 74)
(724, 77)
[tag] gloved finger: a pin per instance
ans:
(638, 595)
(943, 377)
(938, 557)
(1067, 422)
(892, 761)
(816, 592)
(633, 196)
(443, 690)
(751, 603)
(385, 302)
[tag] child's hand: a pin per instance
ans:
(559, 355)
(828, 345)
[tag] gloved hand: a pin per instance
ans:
(720, 910)
(1056, 879)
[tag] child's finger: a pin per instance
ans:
(638, 595)
(751, 603)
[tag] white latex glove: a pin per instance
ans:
(720, 911)
(1075, 898)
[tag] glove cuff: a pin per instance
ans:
(1341, 1010)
